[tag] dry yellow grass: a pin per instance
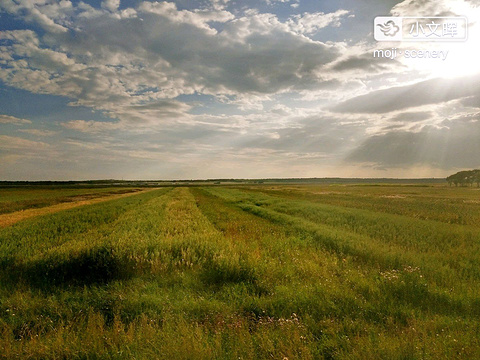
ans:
(13, 218)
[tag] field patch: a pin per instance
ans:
(82, 200)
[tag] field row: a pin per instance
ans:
(18, 199)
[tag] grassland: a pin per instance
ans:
(249, 272)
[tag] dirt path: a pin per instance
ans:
(13, 218)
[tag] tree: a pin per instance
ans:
(464, 178)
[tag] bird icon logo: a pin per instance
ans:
(389, 28)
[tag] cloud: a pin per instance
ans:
(38, 132)
(12, 143)
(326, 135)
(7, 119)
(472, 101)
(213, 87)
(111, 5)
(432, 8)
(433, 91)
(454, 144)
(413, 116)
(40, 12)
(122, 64)
(365, 63)
(309, 23)
(219, 4)
(91, 126)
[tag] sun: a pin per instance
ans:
(462, 58)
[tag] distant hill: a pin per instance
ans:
(159, 183)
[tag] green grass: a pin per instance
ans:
(297, 272)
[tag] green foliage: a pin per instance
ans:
(464, 178)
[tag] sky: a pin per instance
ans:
(208, 89)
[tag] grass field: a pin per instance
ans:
(245, 272)
(17, 199)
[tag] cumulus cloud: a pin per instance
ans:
(111, 5)
(267, 79)
(433, 8)
(116, 64)
(309, 23)
(43, 13)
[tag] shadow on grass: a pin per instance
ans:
(221, 272)
(96, 266)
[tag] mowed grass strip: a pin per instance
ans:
(23, 198)
(63, 204)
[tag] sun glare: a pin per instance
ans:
(462, 58)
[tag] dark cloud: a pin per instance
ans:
(317, 134)
(472, 101)
(455, 145)
(364, 62)
(413, 116)
(426, 92)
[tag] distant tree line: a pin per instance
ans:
(465, 178)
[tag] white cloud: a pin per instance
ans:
(309, 23)
(39, 132)
(434, 8)
(219, 4)
(7, 119)
(122, 65)
(91, 126)
(111, 5)
(16, 143)
(268, 81)
(43, 13)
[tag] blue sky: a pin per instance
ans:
(230, 89)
